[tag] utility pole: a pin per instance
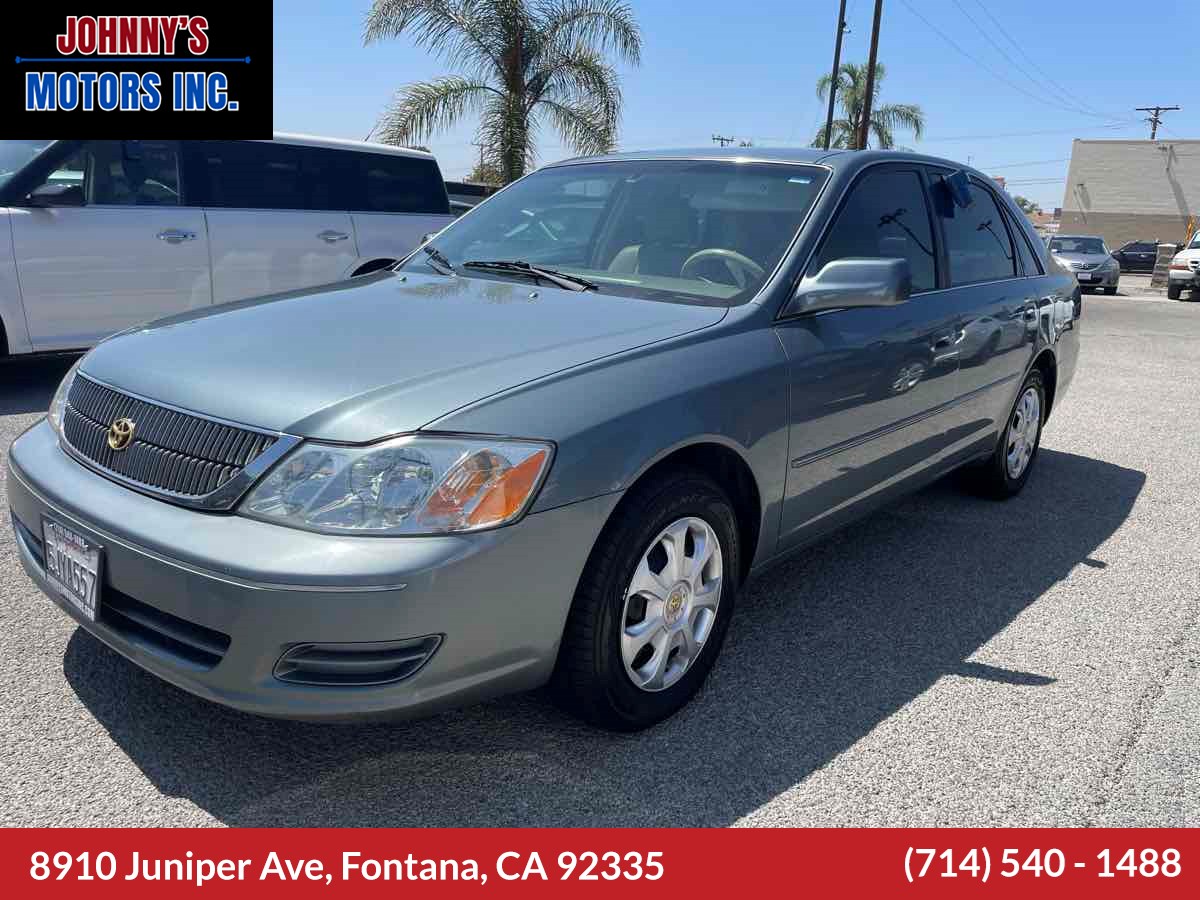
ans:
(865, 125)
(1155, 118)
(837, 64)
(723, 141)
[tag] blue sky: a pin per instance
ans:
(749, 70)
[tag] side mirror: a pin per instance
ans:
(49, 194)
(851, 283)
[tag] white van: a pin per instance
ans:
(96, 236)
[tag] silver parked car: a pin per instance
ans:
(1089, 260)
(551, 445)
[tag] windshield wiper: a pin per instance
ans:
(520, 267)
(438, 261)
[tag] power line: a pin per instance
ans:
(1033, 64)
(1036, 162)
(1114, 126)
(991, 71)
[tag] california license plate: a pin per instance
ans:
(72, 566)
(1084, 276)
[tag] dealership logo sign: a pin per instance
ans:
(80, 76)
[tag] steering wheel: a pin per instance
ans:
(741, 268)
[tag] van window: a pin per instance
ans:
(401, 184)
(259, 175)
(122, 173)
(885, 217)
(977, 240)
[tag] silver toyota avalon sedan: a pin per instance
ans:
(551, 445)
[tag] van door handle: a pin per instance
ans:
(176, 236)
(332, 237)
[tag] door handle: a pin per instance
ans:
(332, 237)
(176, 236)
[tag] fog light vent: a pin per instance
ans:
(350, 665)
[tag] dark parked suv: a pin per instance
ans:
(1137, 256)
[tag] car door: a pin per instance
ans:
(277, 216)
(997, 288)
(868, 386)
(106, 242)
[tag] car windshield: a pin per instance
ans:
(15, 154)
(699, 229)
(1077, 245)
(1195, 244)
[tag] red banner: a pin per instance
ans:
(1026, 863)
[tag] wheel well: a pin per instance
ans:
(1048, 366)
(731, 472)
(373, 265)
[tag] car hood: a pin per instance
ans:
(377, 356)
(1093, 258)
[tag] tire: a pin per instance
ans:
(995, 478)
(592, 679)
(1174, 291)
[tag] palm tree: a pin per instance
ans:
(851, 91)
(523, 63)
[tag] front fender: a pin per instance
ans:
(615, 419)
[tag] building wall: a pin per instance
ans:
(1132, 190)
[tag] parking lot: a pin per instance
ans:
(948, 661)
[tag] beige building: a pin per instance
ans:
(1132, 190)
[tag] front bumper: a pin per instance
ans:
(1095, 278)
(1184, 277)
(499, 599)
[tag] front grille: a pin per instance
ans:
(160, 631)
(1084, 267)
(350, 665)
(172, 451)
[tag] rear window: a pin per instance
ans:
(401, 184)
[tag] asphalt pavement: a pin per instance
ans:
(947, 661)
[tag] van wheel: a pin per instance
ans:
(653, 604)
(1008, 468)
(1174, 291)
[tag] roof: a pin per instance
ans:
(329, 143)
(799, 155)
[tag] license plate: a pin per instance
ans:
(72, 566)
(1084, 276)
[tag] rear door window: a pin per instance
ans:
(977, 240)
(261, 175)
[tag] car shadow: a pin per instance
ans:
(28, 385)
(822, 650)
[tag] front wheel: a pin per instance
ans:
(653, 604)
(1006, 472)
(1174, 291)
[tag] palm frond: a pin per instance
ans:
(580, 77)
(419, 110)
(583, 126)
(602, 25)
(908, 116)
(458, 29)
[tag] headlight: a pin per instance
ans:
(411, 485)
(59, 404)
